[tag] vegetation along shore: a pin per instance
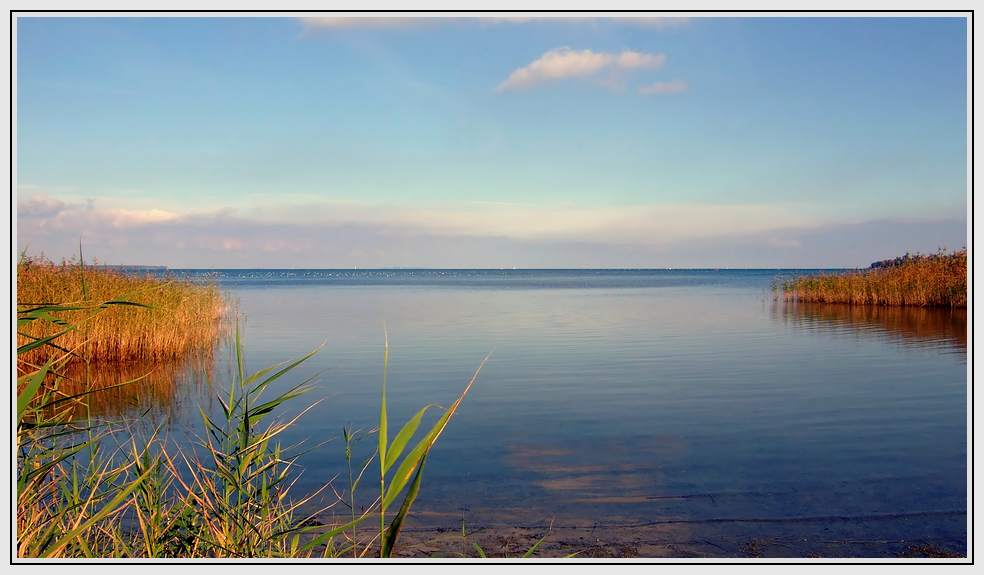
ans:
(83, 491)
(938, 280)
(174, 318)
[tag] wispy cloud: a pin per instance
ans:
(664, 87)
(563, 62)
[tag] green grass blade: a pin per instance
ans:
(401, 439)
(382, 409)
(381, 449)
(537, 544)
(481, 552)
(389, 539)
(406, 468)
(256, 413)
(34, 382)
(239, 367)
(336, 531)
(40, 342)
(259, 387)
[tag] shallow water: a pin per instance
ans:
(646, 397)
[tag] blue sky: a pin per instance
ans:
(491, 142)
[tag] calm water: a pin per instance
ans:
(612, 397)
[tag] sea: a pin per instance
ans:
(686, 407)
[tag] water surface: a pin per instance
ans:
(635, 397)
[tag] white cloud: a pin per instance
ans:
(664, 87)
(563, 63)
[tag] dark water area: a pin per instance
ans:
(683, 404)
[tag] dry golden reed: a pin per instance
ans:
(922, 280)
(187, 318)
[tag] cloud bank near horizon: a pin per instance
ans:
(484, 236)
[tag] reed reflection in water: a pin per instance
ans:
(929, 327)
(154, 393)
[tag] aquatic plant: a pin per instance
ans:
(388, 454)
(162, 318)
(77, 496)
(921, 280)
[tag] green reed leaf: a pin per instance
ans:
(33, 384)
(401, 439)
(389, 539)
(406, 468)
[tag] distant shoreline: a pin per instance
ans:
(131, 267)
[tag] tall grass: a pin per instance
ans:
(922, 280)
(179, 317)
(79, 495)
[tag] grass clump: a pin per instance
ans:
(178, 317)
(933, 280)
(81, 496)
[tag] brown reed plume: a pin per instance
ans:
(938, 279)
(185, 317)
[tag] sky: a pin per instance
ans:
(461, 142)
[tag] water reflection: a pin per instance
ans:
(939, 328)
(154, 393)
(623, 470)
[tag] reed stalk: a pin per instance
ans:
(78, 496)
(938, 280)
(164, 319)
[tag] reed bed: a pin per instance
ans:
(934, 280)
(181, 317)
